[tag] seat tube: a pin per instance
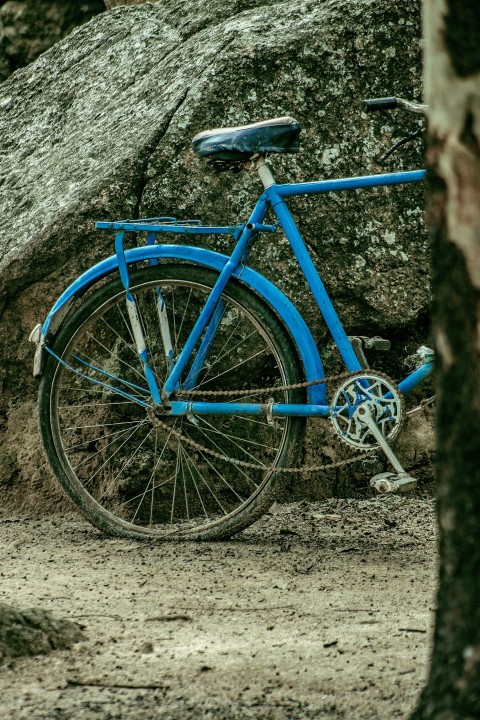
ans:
(239, 256)
(313, 279)
(264, 172)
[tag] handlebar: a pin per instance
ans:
(390, 103)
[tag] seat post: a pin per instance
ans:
(264, 172)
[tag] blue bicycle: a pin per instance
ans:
(176, 381)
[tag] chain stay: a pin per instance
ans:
(278, 388)
(297, 386)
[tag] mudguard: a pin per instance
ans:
(280, 304)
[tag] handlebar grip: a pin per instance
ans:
(385, 103)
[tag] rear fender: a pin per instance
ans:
(281, 305)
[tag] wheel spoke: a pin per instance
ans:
(95, 439)
(125, 465)
(113, 355)
(110, 457)
(166, 478)
(234, 438)
(195, 485)
(222, 450)
(239, 364)
(220, 357)
(224, 479)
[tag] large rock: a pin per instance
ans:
(100, 126)
(29, 27)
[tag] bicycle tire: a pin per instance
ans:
(109, 473)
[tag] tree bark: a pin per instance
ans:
(452, 90)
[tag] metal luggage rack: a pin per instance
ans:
(169, 225)
(152, 226)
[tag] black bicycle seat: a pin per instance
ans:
(279, 135)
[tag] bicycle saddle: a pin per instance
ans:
(279, 135)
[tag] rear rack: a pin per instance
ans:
(169, 225)
(152, 226)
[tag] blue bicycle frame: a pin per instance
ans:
(235, 266)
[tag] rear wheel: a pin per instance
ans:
(131, 475)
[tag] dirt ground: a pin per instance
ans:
(320, 610)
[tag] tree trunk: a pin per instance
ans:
(452, 89)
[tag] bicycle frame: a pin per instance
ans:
(273, 197)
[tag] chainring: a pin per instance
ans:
(384, 400)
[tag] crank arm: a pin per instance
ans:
(400, 481)
(364, 414)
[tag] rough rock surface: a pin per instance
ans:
(29, 27)
(100, 125)
(109, 4)
(34, 632)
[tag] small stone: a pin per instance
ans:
(146, 648)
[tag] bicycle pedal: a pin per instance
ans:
(376, 343)
(360, 343)
(371, 343)
(424, 355)
(391, 482)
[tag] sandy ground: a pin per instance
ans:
(320, 610)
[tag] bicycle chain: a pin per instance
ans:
(280, 388)
(275, 388)
(257, 391)
(257, 466)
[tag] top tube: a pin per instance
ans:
(363, 181)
